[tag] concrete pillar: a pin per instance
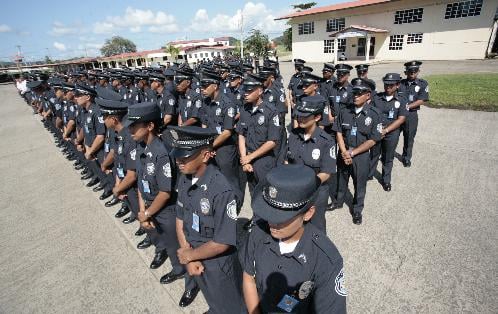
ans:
(336, 50)
(367, 48)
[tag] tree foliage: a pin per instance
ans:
(257, 43)
(117, 45)
(303, 6)
(287, 39)
(173, 51)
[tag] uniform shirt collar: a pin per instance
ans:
(314, 135)
(299, 253)
(206, 177)
(395, 96)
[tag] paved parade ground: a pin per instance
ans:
(428, 246)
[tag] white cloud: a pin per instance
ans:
(59, 46)
(5, 28)
(133, 19)
(256, 15)
(60, 29)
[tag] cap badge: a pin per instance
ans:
(272, 191)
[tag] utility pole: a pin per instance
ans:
(19, 59)
(242, 34)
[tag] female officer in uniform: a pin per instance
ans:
(289, 265)
(393, 113)
(206, 220)
(156, 194)
(312, 146)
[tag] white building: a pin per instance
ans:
(198, 53)
(223, 41)
(396, 30)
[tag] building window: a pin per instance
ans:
(190, 56)
(463, 9)
(341, 45)
(335, 25)
(195, 55)
(408, 16)
(306, 28)
(396, 42)
(212, 53)
(165, 58)
(328, 46)
(414, 38)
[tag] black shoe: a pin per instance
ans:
(357, 219)
(99, 187)
(334, 205)
(140, 232)
(129, 220)
(77, 163)
(159, 259)
(386, 187)
(105, 195)
(112, 202)
(407, 164)
(85, 171)
(79, 167)
(72, 157)
(93, 182)
(370, 178)
(122, 211)
(86, 176)
(145, 243)
(170, 277)
(188, 297)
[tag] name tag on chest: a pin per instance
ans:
(145, 185)
(354, 130)
(195, 222)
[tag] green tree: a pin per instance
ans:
(287, 39)
(173, 51)
(303, 6)
(48, 60)
(257, 43)
(117, 45)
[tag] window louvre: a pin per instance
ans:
(463, 9)
(396, 42)
(408, 16)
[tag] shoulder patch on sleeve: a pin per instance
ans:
(232, 210)
(340, 287)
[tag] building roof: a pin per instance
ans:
(334, 7)
(198, 47)
(364, 28)
(193, 41)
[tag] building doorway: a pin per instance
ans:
(362, 44)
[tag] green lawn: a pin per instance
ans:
(464, 91)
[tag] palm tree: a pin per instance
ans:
(173, 51)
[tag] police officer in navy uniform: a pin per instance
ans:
(416, 90)
(312, 146)
(93, 132)
(290, 266)
(393, 114)
(124, 148)
(341, 95)
(328, 81)
(295, 78)
(206, 220)
(259, 132)
(235, 91)
(219, 115)
(156, 182)
(362, 72)
(358, 128)
(163, 98)
(189, 101)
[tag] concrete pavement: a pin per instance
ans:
(430, 245)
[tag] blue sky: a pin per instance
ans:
(64, 29)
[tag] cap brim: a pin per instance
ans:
(127, 122)
(183, 153)
(302, 114)
(274, 215)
